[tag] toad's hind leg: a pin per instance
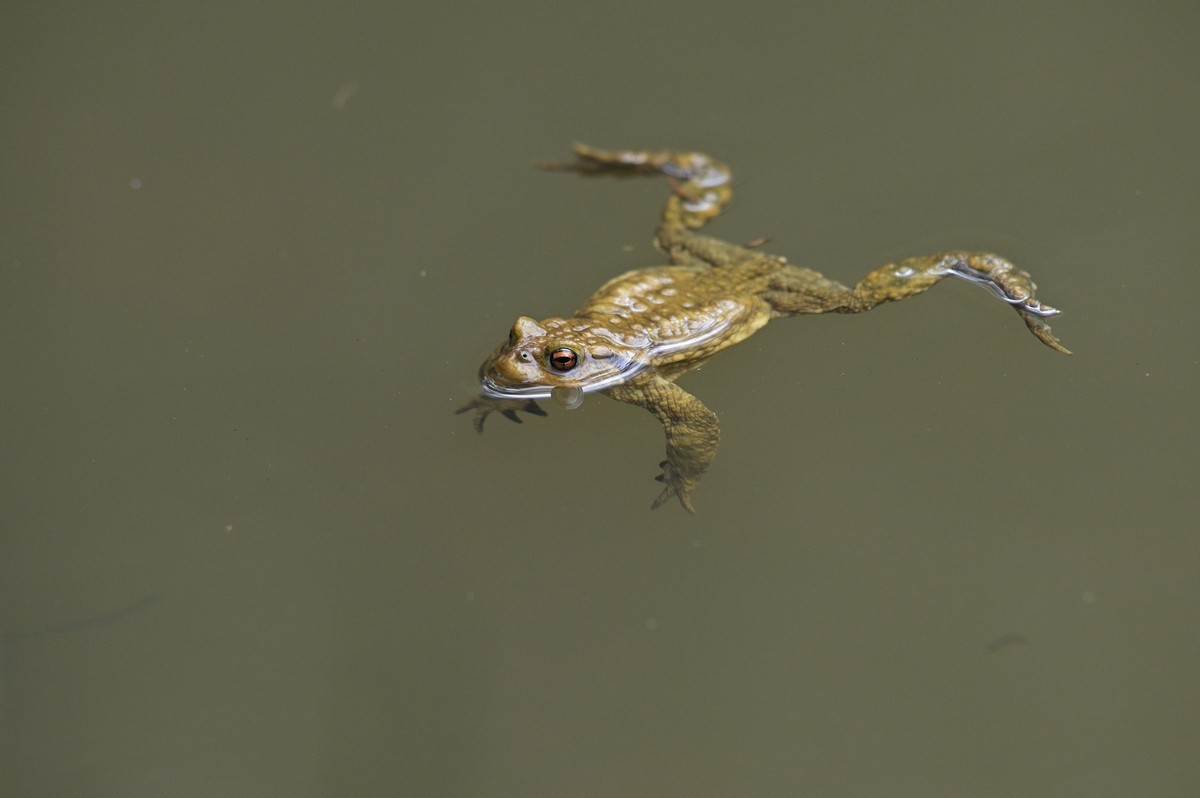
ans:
(793, 290)
(701, 184)
(701, 188)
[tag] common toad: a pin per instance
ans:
(643, 329)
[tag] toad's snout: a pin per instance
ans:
(514, 368)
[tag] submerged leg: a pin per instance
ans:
(793, 291)
(692, 434)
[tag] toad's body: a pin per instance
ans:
(645, 328)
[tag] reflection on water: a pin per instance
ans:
(1004, 641)
(89, 622)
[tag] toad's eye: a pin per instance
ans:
(563, 359)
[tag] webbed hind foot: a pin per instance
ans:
(701, 184)
(1011, 285)
(794, 290)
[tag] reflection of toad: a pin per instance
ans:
(642, 330)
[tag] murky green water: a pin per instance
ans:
(250, 259)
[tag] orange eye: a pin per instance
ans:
(563, 359)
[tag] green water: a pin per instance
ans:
(251, 257)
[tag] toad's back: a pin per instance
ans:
(683, 314)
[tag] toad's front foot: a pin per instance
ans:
(675, 484)
(486, 405)
(692, 434)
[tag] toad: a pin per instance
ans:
(635, 336)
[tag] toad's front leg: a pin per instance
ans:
(485, 405)
(692, 434)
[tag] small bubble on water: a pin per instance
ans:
(135, 184)
(569, 398)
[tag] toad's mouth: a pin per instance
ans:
(493, 385)
(490, 387)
